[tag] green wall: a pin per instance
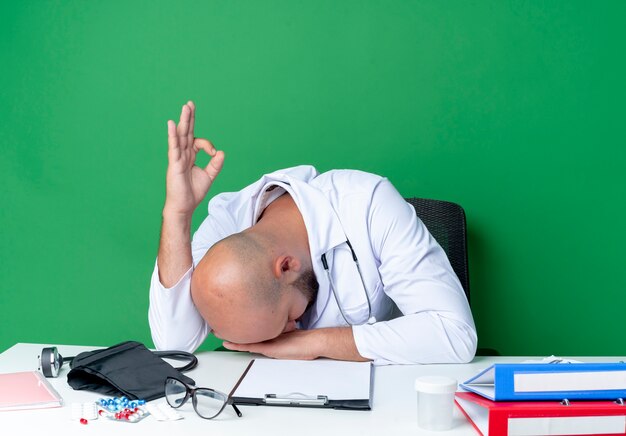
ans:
(514, 109)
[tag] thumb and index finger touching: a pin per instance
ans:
(217, 157)
(188, 116)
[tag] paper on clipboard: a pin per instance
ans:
(299, 382)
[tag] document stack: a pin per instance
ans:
(515, 399)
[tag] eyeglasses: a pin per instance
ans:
(208, 403)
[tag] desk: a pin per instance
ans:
(393, 406)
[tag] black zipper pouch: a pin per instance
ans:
(128, 369)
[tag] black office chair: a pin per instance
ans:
(446, 222)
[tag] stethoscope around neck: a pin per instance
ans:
(370, 318)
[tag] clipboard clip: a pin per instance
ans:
(295, 399)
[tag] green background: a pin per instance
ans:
(514, 109)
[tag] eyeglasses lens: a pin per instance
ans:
(209, 403)
(175, 392)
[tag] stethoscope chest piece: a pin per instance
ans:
(50, 361)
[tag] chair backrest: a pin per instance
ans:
(446, 222)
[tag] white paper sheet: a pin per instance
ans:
(300, 378)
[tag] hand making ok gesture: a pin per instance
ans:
(186, 183)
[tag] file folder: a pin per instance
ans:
(534, 418)
(27, 390)
(546, 381)
(303, 383)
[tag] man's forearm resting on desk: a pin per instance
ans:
(335, 343)
(434, 339)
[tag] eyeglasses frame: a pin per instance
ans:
(191, 393)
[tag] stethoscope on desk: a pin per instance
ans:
(370, 318)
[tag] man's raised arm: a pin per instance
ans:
(186, 186)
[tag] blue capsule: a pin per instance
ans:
(117, 404)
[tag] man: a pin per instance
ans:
(301, 265)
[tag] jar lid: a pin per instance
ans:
(434, 384)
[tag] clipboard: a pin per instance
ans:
(305, 383)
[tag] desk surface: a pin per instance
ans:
(394, 406)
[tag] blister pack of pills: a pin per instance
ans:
(122, 409)
(163, 412)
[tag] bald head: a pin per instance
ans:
(237, 267)
(252, 286)
(236, 292)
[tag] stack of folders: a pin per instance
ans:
(529, 399)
